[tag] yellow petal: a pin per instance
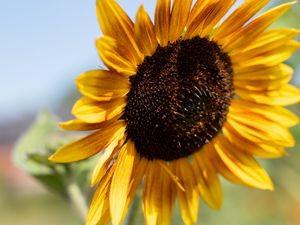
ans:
(188, 199)
(198, 16)
(140, 168)
(115, 56)
(247, 34)
(77, 124)
(102, 85)
(144, 32)
(239, 17)
(261, 149)
(263, 85)
(205, 15)
(92, 111)
(167, 169)
(224, 171)
(89, 145)
(286, 95)
(262, 78)
(151, 194)
(179, 16)
(220, 9)
(105, 159)
(99, 208)
(267, 41)
(120, 182)
(276, 114)
(158, 195)
(259, 128)
(101, 214)
(242, 165)
(207, 179)
(267, 57)
(162, 21)
(115, 23)
(261, 72)
(167, 200)
(197, 10)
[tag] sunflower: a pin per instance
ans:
(183, 100)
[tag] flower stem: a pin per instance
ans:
(77, 200)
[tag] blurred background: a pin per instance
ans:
(44, 46)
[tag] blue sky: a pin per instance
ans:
(44, 45)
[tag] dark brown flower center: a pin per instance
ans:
(179, 99)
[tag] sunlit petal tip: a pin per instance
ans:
(144, 32)
(77, 125)
(295, 44)
(115, 23)
(238, 18)
(241, 167)
(269, 185)
(52, 158)
(251, 31)
(294, 30)
(284, 6)
(60, 157)
(64, 124)
(89, 145)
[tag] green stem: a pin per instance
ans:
(77, 200)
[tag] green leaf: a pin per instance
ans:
(54, 183)
(41, 140)
(35, 144)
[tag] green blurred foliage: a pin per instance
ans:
(31, 151)
(38, 143)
